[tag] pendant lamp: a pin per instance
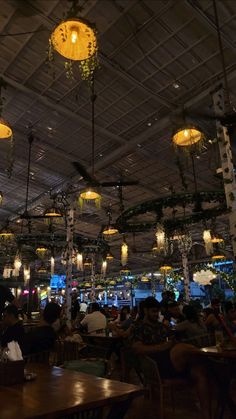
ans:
(5, 130)
(187, 136)
(75, 39)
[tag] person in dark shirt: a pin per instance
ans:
(14, 330)
(150, 338)
(43, 337)
(6, 296)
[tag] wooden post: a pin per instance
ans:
(226, 165)
(69, 264)
(186, 276)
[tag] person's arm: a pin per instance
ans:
(84, 321)
(141, 349)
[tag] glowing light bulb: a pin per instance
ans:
(186, 132)
(74, 36)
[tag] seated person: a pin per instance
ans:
(172, 315)
(94, 321)
(43, 337)
(13, 328)
(192, 330)
(150, 339)
(230, 318)
(6, 295)
(212, 320)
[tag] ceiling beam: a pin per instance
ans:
(209, 23)
(61, 109)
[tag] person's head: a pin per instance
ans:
(173, 309)
(51, 313)
(151, 309)
(141, 310)
(124, 313)
(10, 315)
(215, 304)
(134, 312)
(191, 313)
(230, 310)
(94, 307)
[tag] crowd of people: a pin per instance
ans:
(168, 331)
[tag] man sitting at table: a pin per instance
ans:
(13, 330)
(173, 359)
(94, 321)
(43, 337)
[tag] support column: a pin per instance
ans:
(186, 276)
(227, 166)
(69, 265)
(92, 292)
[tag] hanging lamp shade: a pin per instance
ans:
(5, 130)
(53, 212)
(144, 279)
(42, 269)
(110, 230)
(87, 263)
(217, 239)
(90, 194)
(218, 256)
(74, 39)
(6, 234)
(187, 136)
(165, 268)
(41, 251)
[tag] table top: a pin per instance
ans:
(216, 352)
(57, 392)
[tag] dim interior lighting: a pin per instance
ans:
(5, 130)
(187, 136)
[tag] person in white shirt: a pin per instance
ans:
(83, 307)
(95, 320)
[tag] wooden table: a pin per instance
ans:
(215, 352)
(58, 393)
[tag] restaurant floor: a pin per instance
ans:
(185, 405)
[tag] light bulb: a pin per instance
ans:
(186, 132)
(74, 36)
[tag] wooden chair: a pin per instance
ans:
(152, 380)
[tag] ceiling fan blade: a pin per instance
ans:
(85, 175)
(120, 183)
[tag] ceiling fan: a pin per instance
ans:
(228, 117)
(92, 181)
